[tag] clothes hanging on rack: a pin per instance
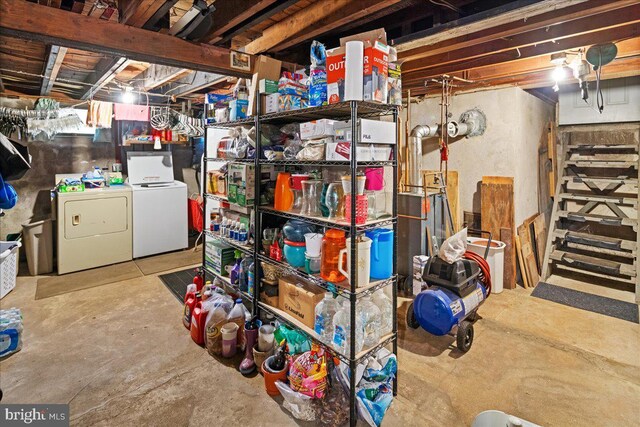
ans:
(15, 120)
(48, 128)
(138, 113)
(100, 114)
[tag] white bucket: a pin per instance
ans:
(495, 259)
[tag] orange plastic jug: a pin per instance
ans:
(283, 194)
(332, 242)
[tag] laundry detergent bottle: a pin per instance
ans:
(190, 299)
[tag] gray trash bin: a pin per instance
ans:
(38, 243)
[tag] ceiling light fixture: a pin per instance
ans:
(127, 95)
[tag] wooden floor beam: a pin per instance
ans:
(37, 22)
(55, 57)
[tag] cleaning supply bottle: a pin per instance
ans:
(198, 320)
(243, 280)
(238, 315)
(235, 271)
(325, 310)
(198, 279)
(251, 284)
(190, 299)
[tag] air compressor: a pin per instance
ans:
(449, 303)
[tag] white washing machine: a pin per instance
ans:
(160, 222)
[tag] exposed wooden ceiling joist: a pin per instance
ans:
(256, 19)
(446, 41)
(138, 12)
(624, 67)
(314, 20)
(416, 78)
(55, 57)
(552, 34)
(521, 10)
(42, 23)
(229, 13)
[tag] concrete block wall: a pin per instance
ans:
(516, 128)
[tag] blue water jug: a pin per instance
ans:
(381, 253)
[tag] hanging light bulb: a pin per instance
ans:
(558, 74)
(127, 95)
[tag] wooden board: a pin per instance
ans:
(497, 212)
(528, 257)
(509, 278)
(453, 192)
(521, 266)
(540, 238)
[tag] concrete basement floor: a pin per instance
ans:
(120, 356)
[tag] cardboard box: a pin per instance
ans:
(264, 68)
(376, 71)
(267, 86)
(269, 103)
(317, 129)
(370, 132)
(299, 299)
(241, 184)
(335, 75)
(341, 151)
(238, 109)
(217, 255)
(376, 63)
(394, 94)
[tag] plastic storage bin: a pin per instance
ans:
(495, 259)
(38, 242)
(8, 266)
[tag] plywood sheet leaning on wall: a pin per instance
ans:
(497, 209)
(540, 238)
(453, 193)
(528, 256)
(521, 265)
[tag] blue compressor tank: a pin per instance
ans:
(438, 310)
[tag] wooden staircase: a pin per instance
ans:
(594, 221)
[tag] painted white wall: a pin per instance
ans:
(516, 123)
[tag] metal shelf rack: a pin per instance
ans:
(352, 110)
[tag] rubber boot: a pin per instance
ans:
(248, 365)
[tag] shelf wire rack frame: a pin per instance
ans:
(350, 110)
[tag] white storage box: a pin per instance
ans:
(271, 103)
(317, 129)
(338, 151)
(8, 266)
(371, 132)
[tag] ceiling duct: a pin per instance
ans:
(196, 23)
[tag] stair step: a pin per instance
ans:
(594, 264)
(601, 164)
(595, 274)
(604, 147)
(600, 199)
(580, 180)
(601, 219)
(595, 240)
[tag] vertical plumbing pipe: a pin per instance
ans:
(418, 133)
